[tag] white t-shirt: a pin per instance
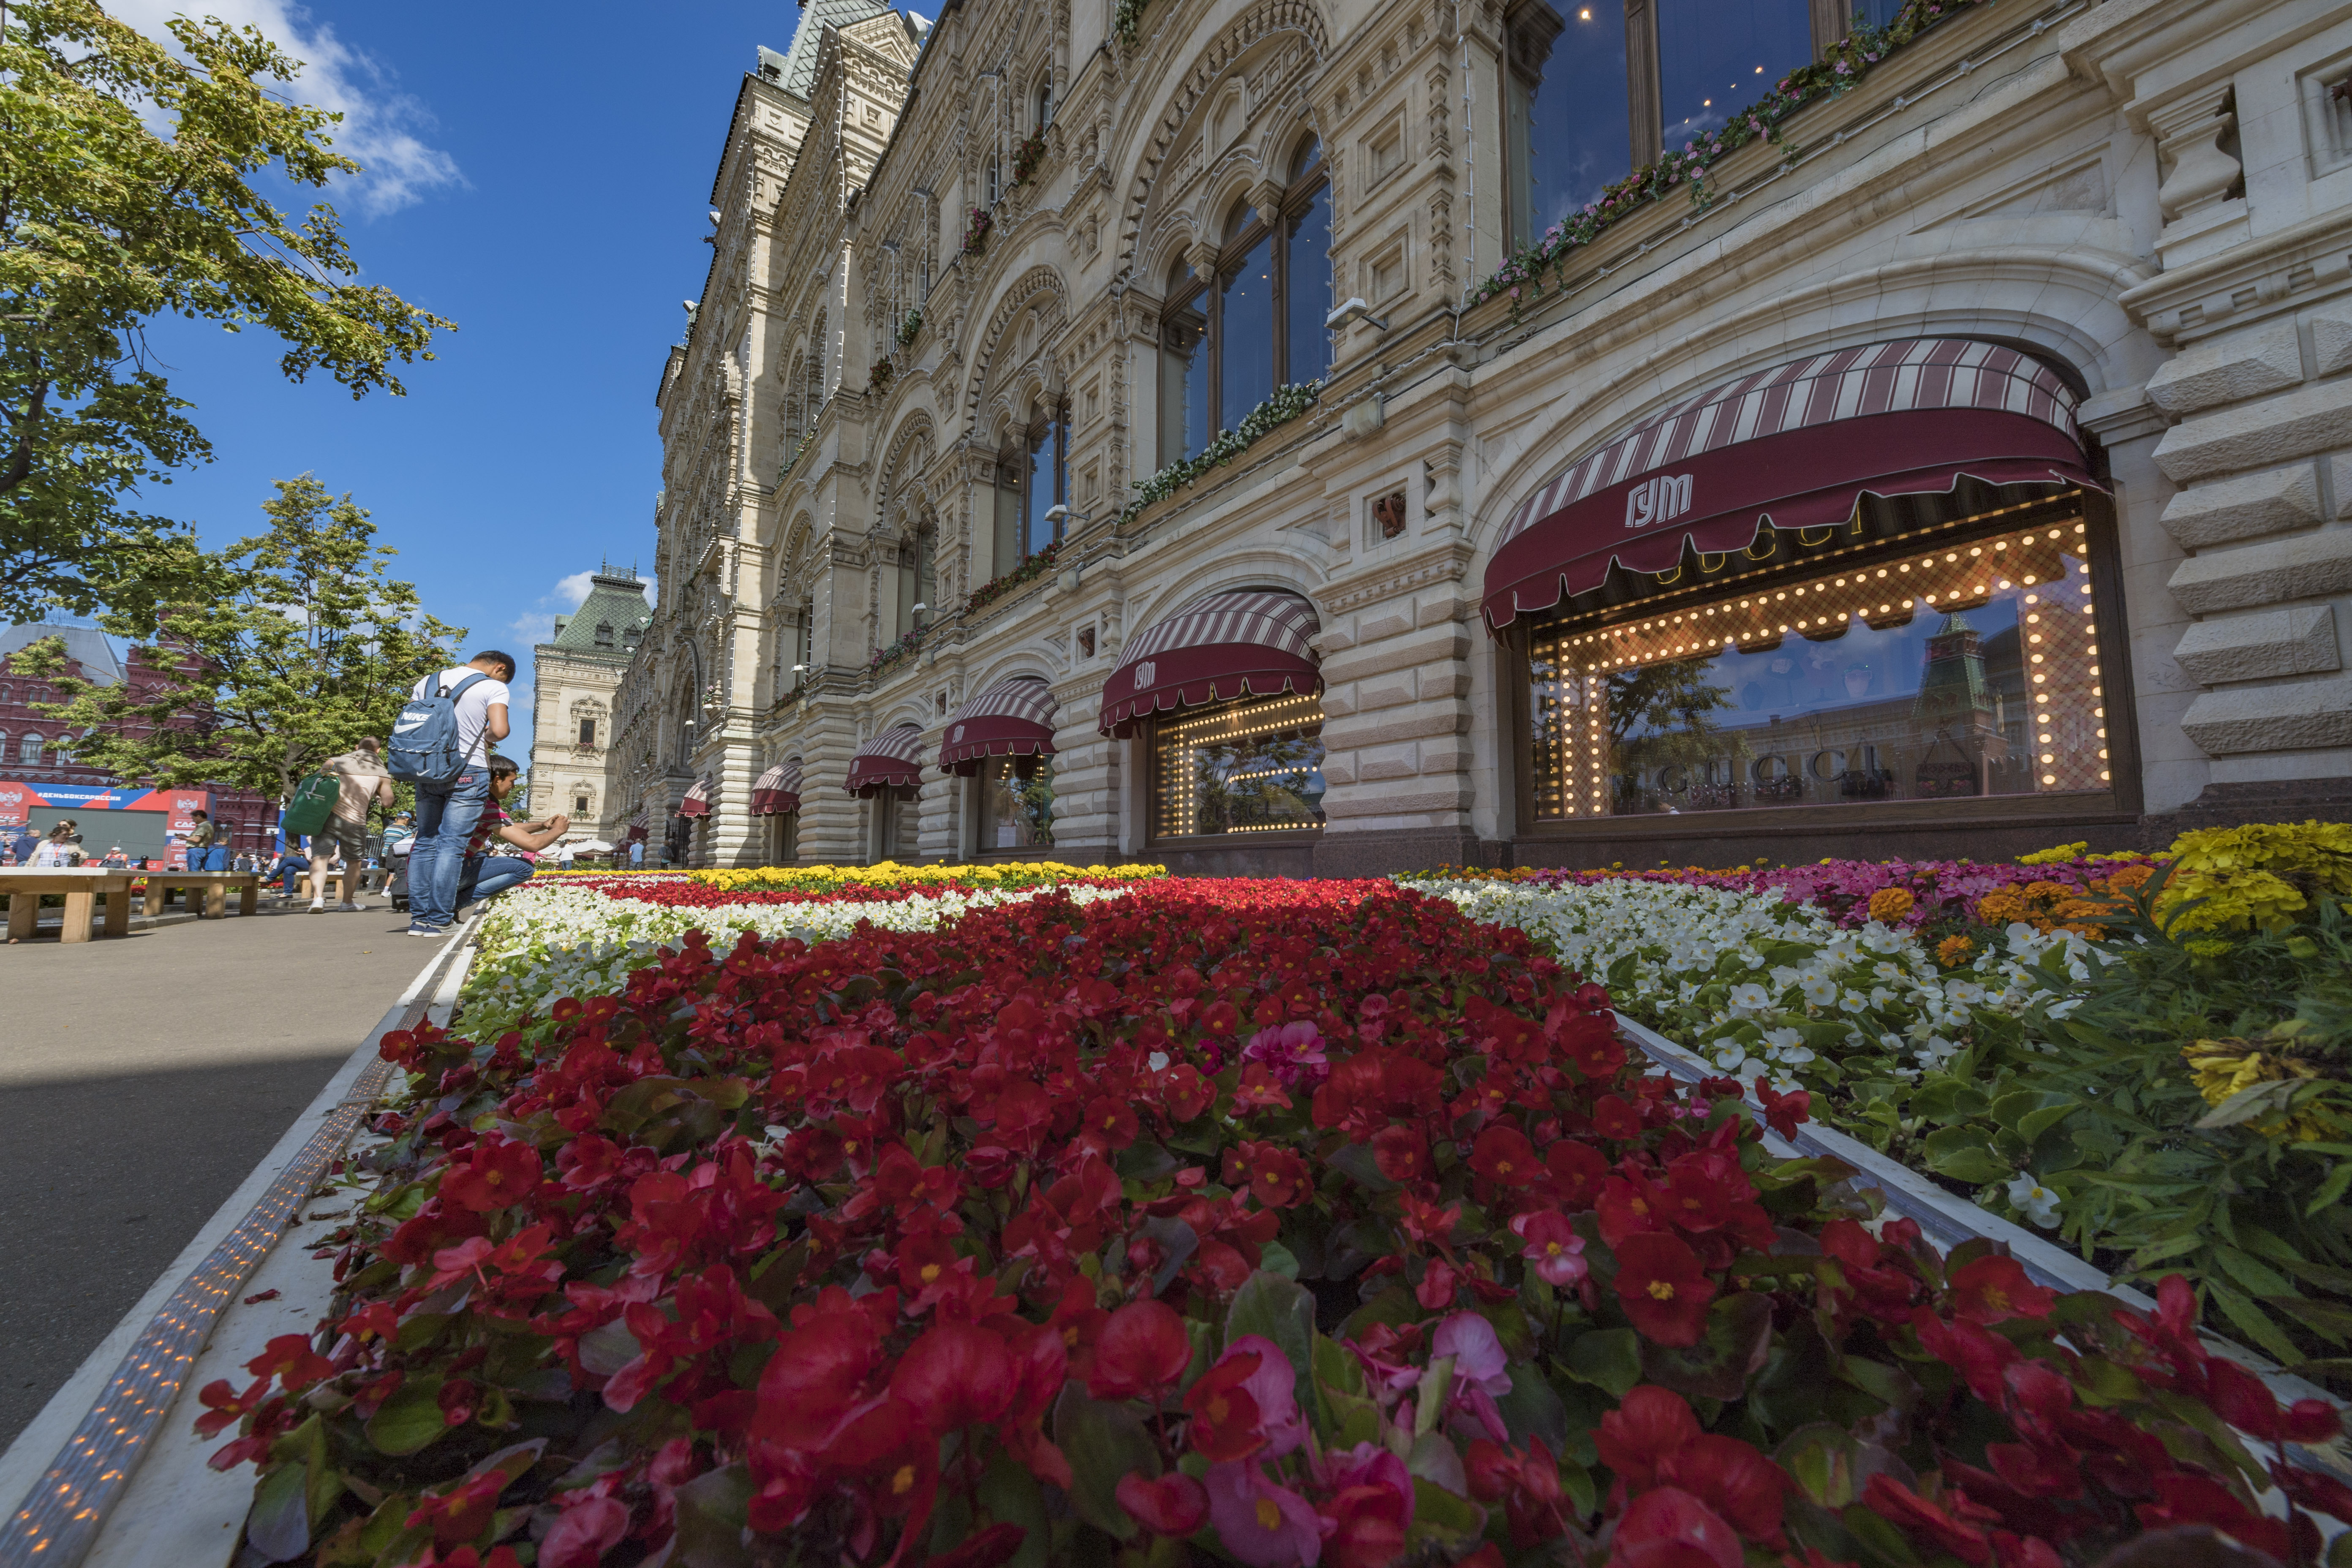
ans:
(473, 708)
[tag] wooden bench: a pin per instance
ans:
(25, 884)
(346, 883)
(213, 884)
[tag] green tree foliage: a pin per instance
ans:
(294, 645)
(107, 223)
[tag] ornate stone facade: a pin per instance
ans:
(2152, 196)
(575, 684)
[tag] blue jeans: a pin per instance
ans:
(445, 816)
(293, 877)
(489, 878)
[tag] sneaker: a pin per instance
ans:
(416, 930)
(350, 909)
(317, 909)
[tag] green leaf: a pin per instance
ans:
(1446, 1518)
(1738, 1337)
(1102, 1442)
(1284, 1311)
(1831, 1466)
(712, 1510)
(1011, 1494)
(1609, 1359)
(2029, 1112)
(411, 1419)
(2252, 1322)
(1276, 1258)
(2257, 1276)
(279, 1525)
(1533, 1408)
(2330, 1190)
(1960, 1152)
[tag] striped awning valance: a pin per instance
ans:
(1228, 645)
(1796, 447)
(778, 790)
(697, 799)
(891, 760)
(1010, 719)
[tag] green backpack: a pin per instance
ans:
(312, 802)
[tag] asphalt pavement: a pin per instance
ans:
(142, 1078)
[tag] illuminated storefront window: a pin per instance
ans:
(1250, 766)
(1016, 804)
(1962, 669)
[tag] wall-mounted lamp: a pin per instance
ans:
(1355, 309)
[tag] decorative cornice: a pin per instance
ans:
(1449, 563)
(2293, 267)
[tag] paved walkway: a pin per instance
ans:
(140, 1080)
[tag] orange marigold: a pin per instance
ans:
(1889, 905)
(1953, 951)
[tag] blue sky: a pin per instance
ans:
(540, 176)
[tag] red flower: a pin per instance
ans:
(1226, 1425)
(2186, 1498)
(955, 1375)
(1663, 1288)
(1994, 1289)
(1783, 1112)
(998, 1544)
(584, 1532)
(290, 1359)
(1734, 1479)
(1144, 1348)
(1615, 1119)
(1577, 1170)
(815, 1375)
(2240, 1397)
(1504, 1156)
(1669, 1528)
(500, 1173)
(1175, 1504)
(1275, 1176)
(460, 1513)
(1112, 1122)
(1650, 1425)
(1401, 1153)
(1366, 1526)
(1955, 1526)
(1525, 1481)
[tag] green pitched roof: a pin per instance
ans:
(608, 623)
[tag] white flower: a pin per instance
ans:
(1750, 996)
(1783, 1038)
(1820, 991)
(2038, 1201)
(1729, 1053)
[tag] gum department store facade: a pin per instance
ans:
(1964, 475)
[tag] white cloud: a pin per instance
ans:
(573, 590)
(534, 629)
(381, 124)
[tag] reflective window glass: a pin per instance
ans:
(1016, 804)
(1246, 335)
(1251, 766)
(1309, 279)
(1715, 59)
(1569, 134)
(1046, 485)
(1965, 669)
(1184, 381)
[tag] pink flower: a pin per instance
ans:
(1274, 1387)
(1262, 1524)
(1481, 1372)
(1553, 1246)
(1293, 1053)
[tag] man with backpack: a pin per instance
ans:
(361, 783)
(441, 744)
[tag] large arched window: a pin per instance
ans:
(1034, 478)
(1226, 344)
(29, 749)
(917, 568)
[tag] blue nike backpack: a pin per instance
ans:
(424, 748)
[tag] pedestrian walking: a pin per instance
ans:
(636, 853)
(565, 856)
(464, 708)
(365, 782)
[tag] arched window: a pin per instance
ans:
(994, 184)
(805, 642)
(917, 567)
(1227, 345)
(1046, 479)
(1045, 101)
(29, 749)
(7, 694)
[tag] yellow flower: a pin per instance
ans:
(2222, 1068)
(1889, 905)
(1953, 951)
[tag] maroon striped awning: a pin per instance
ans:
(638, 825)
(891, 760)
(1011, 718)
(1795, 447)
(697, 799)
(1228, 645)
(778, 790)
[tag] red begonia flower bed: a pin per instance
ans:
(975, 1247)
